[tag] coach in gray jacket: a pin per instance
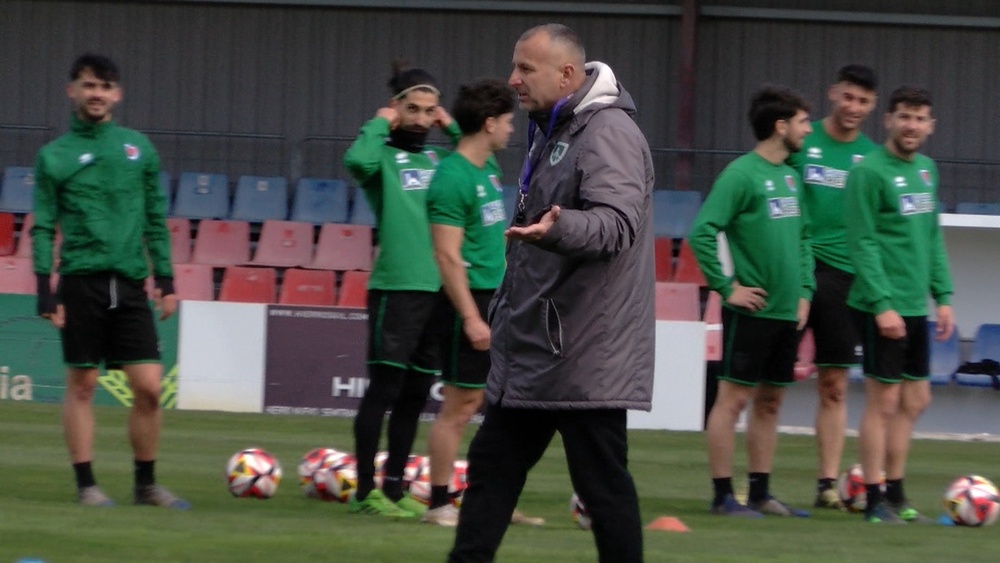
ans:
(572, 323)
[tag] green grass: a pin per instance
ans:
(38, 517)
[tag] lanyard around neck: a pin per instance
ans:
(530, 163)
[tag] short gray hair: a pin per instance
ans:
(561, 34)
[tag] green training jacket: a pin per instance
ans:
(99, 184)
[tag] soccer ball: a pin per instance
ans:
(326, 474)
(851, 488)
(579, 512)
(253, 473)
(420, 487)
(972, 501)
(336, 480)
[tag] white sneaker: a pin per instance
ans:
(446, 515)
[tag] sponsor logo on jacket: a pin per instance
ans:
(819, 175)
(415, 178)
(915, 204)
(782, 207)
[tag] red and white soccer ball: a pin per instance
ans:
(420, 487)
(253, 472)
(972, 500)
(327, 474)
(579, 512)
(851, 488)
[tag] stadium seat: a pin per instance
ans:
(222, 243)
(343, 247)
(677, 302)
(7, 242)
(284, 244)
(713, 327)
(16, 192)
(663, 249)
(805, 365)
(259, 198)
(969, 208)
(674, 211)
(17, 276)
(248, 285)
(166, 184)
(945, 355)
(361, 213)
(687, 270)
(320, 201)
(180, 239)
(193, 282)
(982, 358)
(202, 196)
(353, 290)
(308, 287)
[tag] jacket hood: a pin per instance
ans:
(600, 89)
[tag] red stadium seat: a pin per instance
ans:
(17, 276)
(222, 243)
(7, 245)
(713, 327)
(308, 287)
(687, 267)
(180, 239)
(343, 247)
(663, 249)
(677, 302)
(284, 244)
(354, 290)
(193, 282)
(249, 285)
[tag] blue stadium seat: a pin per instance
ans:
(259, 198)
(986, 346)
(166, 184)
(945, 355)
(674, 211)
(16, 192)
(202, 196)
(969, 208)
(320, 201)
(361, 213)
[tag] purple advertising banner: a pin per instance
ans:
(316, 361)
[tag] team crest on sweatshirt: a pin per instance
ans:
(131, 152)
(926, 177)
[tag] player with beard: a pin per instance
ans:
(393, 166)
(835, 145)
(895, 244)
(755, 202)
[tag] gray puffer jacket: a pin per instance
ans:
(572, 322)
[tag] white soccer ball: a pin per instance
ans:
(972, 500)
(253, 472)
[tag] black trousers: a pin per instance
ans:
(510, 442)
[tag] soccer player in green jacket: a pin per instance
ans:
(755, 202)
(99, 184)
(835, 145)
(393, 166)
(895, 244)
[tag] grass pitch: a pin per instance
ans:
(39, 519)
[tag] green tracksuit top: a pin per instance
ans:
(893, 236)
(823, 163)
(756, 204)
(395, 183)
(464, 195)
(99, 184)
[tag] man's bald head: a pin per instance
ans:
(548, 66)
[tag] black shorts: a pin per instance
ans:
(108, 320)
(834, 327)
(402, 331)
(757, 350)
(892, 361)
(461, 364)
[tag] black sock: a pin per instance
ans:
(759, 487)
(392, 487)
(383, 389)
(84, 474)
(723, 487)
(824, 484)
(144, 473)
(873, 492)
(439, 496)
(894, 491)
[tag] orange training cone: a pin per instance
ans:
(668, 524)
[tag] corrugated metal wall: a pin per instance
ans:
(290, 74)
